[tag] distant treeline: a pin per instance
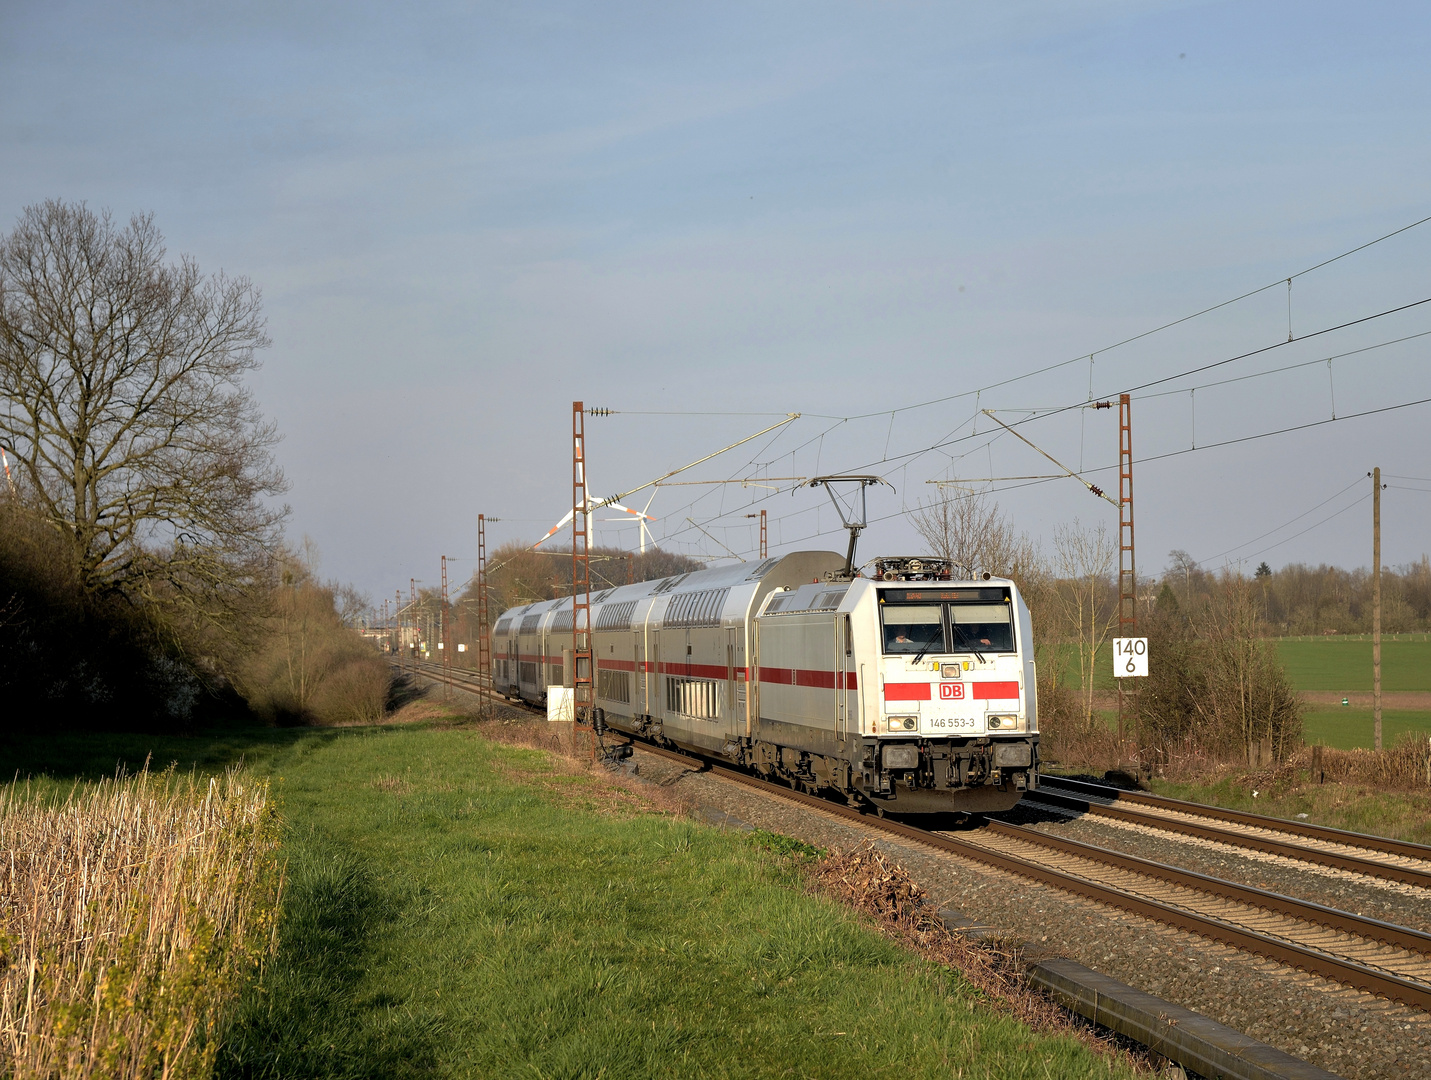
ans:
(1301, 599)
(517, 575)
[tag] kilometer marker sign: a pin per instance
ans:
(1130, 657)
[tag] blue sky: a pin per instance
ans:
(464, 216)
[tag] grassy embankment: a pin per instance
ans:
(462, 907)
(1361, 808)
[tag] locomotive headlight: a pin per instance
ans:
(902, 723)
(1003, 723)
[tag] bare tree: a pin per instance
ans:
(122, 401)
(1084, 564)
(969, 529)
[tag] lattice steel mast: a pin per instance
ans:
(581, 673)
(484, 638)
(1127, 568)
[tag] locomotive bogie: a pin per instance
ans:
(914, 697)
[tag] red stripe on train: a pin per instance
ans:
(906, 691)
(979, 691)
(811, 677)
(995, 691)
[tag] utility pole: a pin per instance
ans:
(1376, 603)
(412, 607)
(762, 533)
(484, 638)
(443, 636)
(582, 693)
(1127, 568)
(397, 617)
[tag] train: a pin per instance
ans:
(901, 688)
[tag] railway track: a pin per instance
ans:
(1379, 958)
(1382, 959)
(1371, 856)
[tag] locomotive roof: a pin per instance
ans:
(801, 563)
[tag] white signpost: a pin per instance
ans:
(1130, 657)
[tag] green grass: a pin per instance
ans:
(1344, 664)
(456, 907)
(1348, 729)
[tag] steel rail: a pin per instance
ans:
(1402, 937)
(1383, 844)
(1347, 972)
(1406, 875)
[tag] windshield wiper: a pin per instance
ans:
(967, 640)
(920, 655)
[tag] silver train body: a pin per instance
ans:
(910, 695)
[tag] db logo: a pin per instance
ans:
(951, 691)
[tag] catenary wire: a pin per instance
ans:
(1279, 528)
(910, 456)
(1154, 457)
(1309, 528)
(1146, 333)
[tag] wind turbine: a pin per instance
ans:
(592, 504)
(642, 517)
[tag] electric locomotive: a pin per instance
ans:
(906, 689)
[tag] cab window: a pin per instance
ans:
(982, 627)
(913, 628)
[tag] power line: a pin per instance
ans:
(1278, 371)
(1279, 528)
(1146, 333)
(948, 440)
(1308, 529)
(1157, 457)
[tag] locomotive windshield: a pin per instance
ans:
(983, 625)
(913, 628)
(966, 620)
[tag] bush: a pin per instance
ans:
(77, 660)
(308, 667)
(1215, 684)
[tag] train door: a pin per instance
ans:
(639, 700)
(656, 707)
(842, 667)
(752, 688)
(729, 712)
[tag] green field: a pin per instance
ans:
(1344, 664)
(1341, 664)
(460, 908)
(1348, 729)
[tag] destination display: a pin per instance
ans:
(933, 596)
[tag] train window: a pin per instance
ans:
(913, 628)
(983, 626)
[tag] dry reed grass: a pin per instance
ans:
(1406, 766)
(131, 914)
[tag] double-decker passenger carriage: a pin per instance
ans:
(907, 690)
